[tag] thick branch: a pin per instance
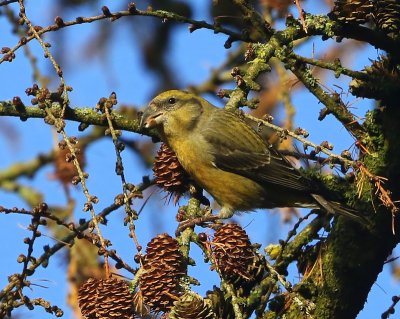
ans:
(81, 115)
(322, 25)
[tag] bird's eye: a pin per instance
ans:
(171, 100)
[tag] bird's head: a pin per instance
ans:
(177, 109)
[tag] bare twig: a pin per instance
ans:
(334, 66)
(304, 141)
(333, 104)
(14, 282)
(133, 11)
(301, 14)
(48, 55)
(391, 309)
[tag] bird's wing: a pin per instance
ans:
(238, 149)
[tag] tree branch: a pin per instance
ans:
(80, 115)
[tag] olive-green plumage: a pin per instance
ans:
(226, 157)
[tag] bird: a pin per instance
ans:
(225, 156)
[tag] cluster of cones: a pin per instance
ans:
(161, 289)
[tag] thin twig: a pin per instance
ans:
(67, 240)
(332, 103)
(303, 140)
(48, 55)
(391, 309)
(334, 66)
(301, 14)
(161, 14)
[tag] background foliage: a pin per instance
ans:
(62, 57)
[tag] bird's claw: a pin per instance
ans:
(199, 221)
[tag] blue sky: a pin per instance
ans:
(192, 56)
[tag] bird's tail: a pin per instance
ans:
(336, 208)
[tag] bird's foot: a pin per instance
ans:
(206, 220)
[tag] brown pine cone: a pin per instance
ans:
(235, 257)
(352, 11)
(169, 173)
(163, 271)
(105, 299)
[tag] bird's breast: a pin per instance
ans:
(228, 189)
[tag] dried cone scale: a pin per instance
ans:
(191, 306)
(387, 15)
(169, 173)
(163, 271)
(105, 299)
(352, 11)
(234, 256)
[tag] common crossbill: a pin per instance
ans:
(228, 158)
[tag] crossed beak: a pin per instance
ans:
(151, 118)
